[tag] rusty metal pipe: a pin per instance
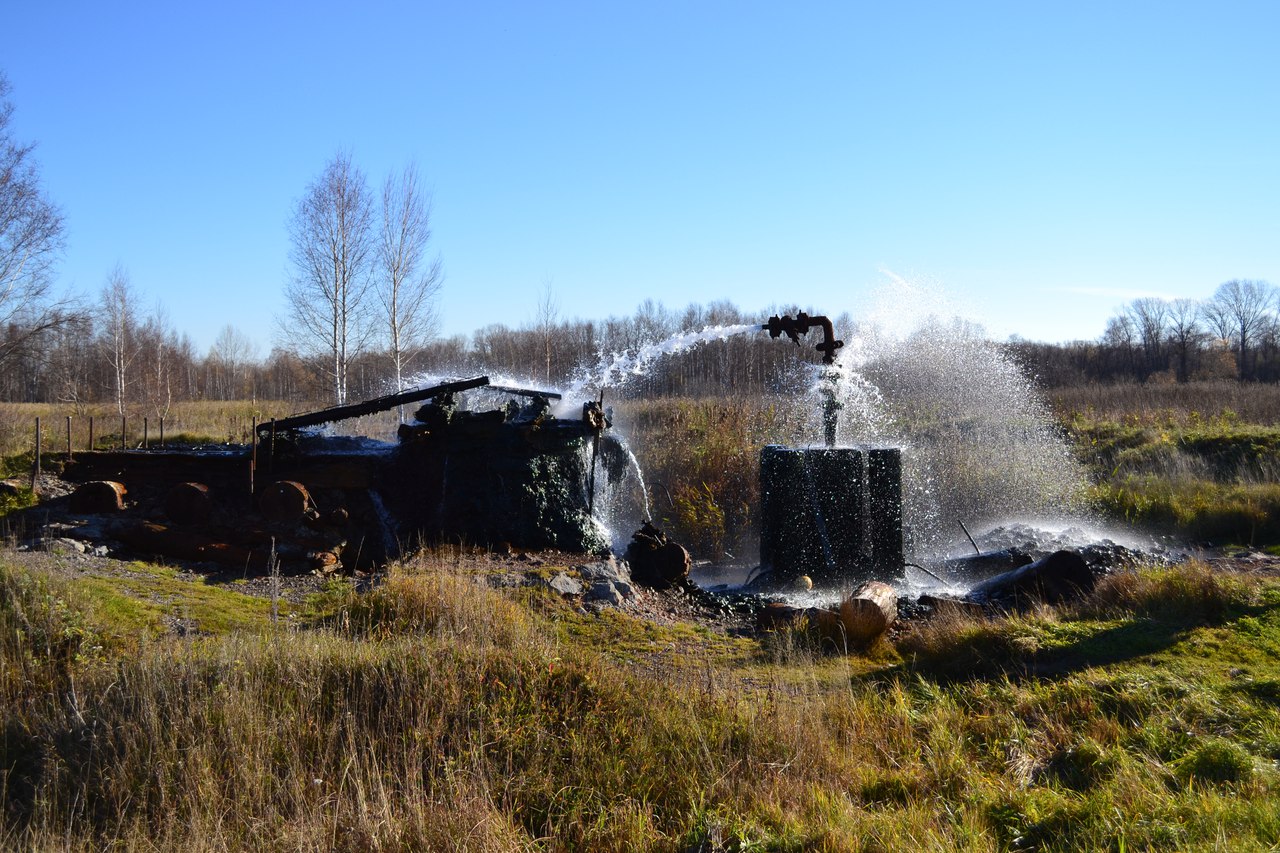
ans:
(794, 327)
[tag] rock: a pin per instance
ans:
(776, 615)
(604, 592)
(656, 561)
(609, 570)
(97, 496)
(56, 546)
(565, 584)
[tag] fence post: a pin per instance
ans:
(145, 429)
(91, 432)
(162, 432)
(253, 457)
(68, 438)
(122, 426)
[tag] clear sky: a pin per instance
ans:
(1043, 162)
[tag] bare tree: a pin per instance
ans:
(31, 239)
(157, 346)
(230, 356)
(1184, 333)
(409, 282)
(1237, 312)
(332, 250)
(1149, 315)
(547, 317)
(118, 321)
(1119, 337)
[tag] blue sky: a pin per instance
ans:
(1041, 163)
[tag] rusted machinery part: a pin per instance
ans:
(525, 392)
(794, 327)
(188, 503)
(285, 501)
(97, 496)
(369, 407)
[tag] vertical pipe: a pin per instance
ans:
(35, 465)
(253, 455)
(146, 428)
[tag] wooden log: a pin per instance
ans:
(776, 616)
(188, 503)
(285, 501)
(869, 611)
(1057, 577)
(98, 496)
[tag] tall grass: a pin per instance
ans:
(1170, 403)
(1181, 462)
(199, 421)
(701, 458)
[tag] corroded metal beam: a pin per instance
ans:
(370, 407)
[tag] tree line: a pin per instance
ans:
(1233, 334)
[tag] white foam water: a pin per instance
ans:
(615, 370)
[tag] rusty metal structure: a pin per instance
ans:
(512, 475)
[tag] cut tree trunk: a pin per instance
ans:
(869, 612)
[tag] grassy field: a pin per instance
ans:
(1200, 462)
(435, 713)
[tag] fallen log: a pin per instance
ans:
(977, 567)
(1060, 576)
(869, 611)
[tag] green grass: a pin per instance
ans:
(1211, 480)
(435, 713)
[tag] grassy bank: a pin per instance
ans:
(435, 713)
(1182, 459)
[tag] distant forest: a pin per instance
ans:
(114, 355)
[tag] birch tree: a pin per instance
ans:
(31, 239)
(118, 321)
(332, 246)
(408, 281)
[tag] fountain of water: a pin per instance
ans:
(977, 446)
